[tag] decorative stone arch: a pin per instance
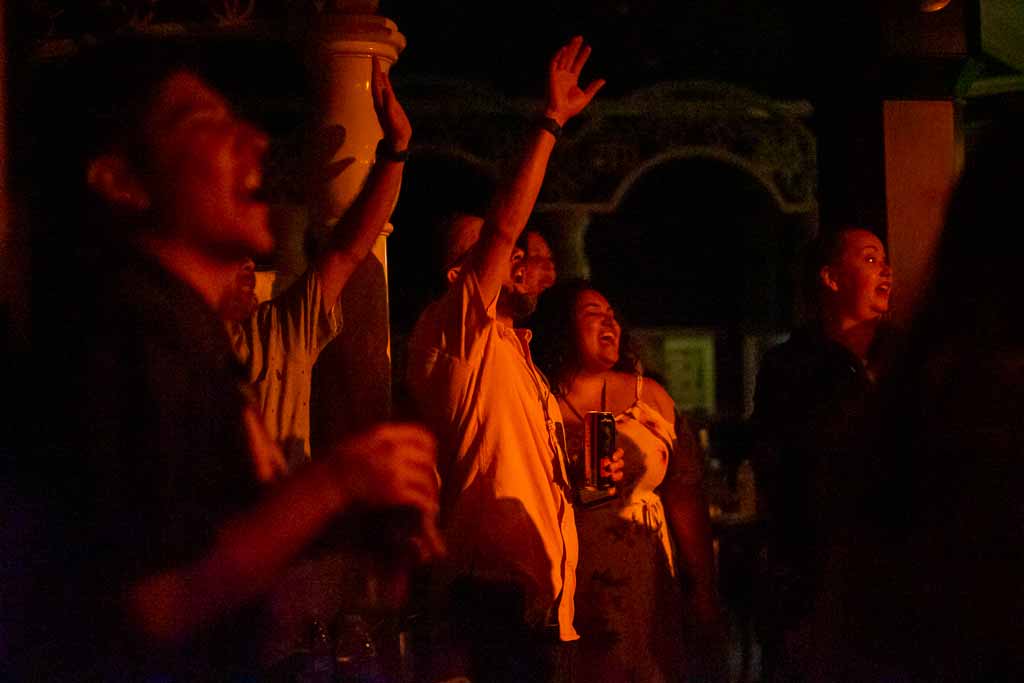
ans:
(596, 163)
(723, 155)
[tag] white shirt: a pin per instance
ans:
(504, 486)
(278, 345)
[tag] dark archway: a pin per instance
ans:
(698, 242)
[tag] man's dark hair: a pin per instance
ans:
(114, 82)
(77, 108)
(89, 103)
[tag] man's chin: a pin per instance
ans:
(517, 304)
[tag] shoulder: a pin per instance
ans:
(656, 395)
(804, 352)
(799, 343)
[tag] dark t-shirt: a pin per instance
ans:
(814, 415)
(146, 460)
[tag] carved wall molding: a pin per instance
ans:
(617, 141)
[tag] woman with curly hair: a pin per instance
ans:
(646, 564)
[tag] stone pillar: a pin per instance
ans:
(352, 379)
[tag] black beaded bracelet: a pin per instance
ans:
(386, 151)
(550, 125)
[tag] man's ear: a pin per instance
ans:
(114, 179)
(453, 273)
(826, 278)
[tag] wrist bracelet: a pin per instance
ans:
(386, 151)
(550, 125)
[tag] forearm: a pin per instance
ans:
(687, 510)
(356, 232)
(515, 200)
(510, 211)
(250, 551)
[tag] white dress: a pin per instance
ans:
(629, 599)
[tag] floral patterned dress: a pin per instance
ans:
(629, 600)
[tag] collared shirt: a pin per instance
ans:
(278, 345)
(505, 502)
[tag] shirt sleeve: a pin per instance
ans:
(459, 318)
(299, 319)
(444, 352)
(305, 316)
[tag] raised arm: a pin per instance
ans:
(508, 214)
(390, 465)
(356, 232)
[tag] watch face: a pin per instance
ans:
(385, 151)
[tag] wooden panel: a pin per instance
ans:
(922, 159)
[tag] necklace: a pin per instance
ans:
(565, 398)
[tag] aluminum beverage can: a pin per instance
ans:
(598, 443)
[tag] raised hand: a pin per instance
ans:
(565, 97)
(392, 118)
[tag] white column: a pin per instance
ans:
(352, 380)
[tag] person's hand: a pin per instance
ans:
(392, 465)
(565, 97)
(611, 468)
(392, 118)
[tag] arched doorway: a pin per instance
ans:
(701, 258)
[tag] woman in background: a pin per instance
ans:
(813, 420)
(646, 566)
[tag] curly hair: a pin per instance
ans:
(556, 350)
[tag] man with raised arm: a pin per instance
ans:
(506, 501)
(279, 340)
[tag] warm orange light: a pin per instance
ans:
(933, 5)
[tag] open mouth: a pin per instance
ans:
(608, 338)
(884, 289)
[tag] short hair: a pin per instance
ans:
(461, 232)
(91, 103)
(115, 82)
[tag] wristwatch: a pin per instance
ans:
(550, 125)
(386, 151)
